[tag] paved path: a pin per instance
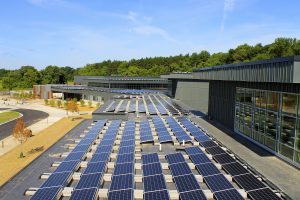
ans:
(30, 117)
(280, 173)
(41, 117)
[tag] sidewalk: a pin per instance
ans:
(54, 116)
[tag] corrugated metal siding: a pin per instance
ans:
(281, 71)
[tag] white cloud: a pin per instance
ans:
(152, 30)
(228, 7)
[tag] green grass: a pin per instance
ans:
(6, 116)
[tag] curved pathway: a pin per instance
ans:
(30, 117)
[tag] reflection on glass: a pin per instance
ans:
(272, 101)
(248, 97)
(258, 117)
(287, 132)
(289, 103)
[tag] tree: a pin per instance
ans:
(82, 102)
(19, 131)
(58, 103)
(90, 103)
(72, 106)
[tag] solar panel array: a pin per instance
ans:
(145, 132)
(51, 188)
(161, 130)
(122, 184)
(90, 180)
(179, 132)
(185, 181)
(161, 109)
(255, 188)
(154, 182)
(155, 104)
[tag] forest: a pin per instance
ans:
(26, 76)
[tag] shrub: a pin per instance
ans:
(52, 102)
(90, 103)
(82, 102)
(58, 103)
(46, 101)
(97, 105)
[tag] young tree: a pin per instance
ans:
(90, 103)
(46, 102)
(58, 103)
(72, 107)
(97, 105)
(82, 102)
(52, 102)
(19, 132)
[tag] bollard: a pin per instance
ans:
(159, 147)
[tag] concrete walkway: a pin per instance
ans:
(280, 173)
(54, 115)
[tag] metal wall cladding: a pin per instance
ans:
(221, 104)
(279, 71)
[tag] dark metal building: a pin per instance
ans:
(259, 100)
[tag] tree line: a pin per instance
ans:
(27, 76)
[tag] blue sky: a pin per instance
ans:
(77, 32)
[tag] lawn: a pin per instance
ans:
(11, 164)
(7, 116)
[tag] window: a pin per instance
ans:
(272, 101)
(289, 103)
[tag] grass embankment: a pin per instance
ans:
(11, 164)
(7, 116)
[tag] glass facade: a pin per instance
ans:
(270, 118)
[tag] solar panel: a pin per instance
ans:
(67, 166)
(201, 138)
(83, 148)
(193, 195)
(175, 158)
(215, 150)
(153, 183)
(86, 194)
(125, 158)
(207, 144)
(152, 169)
(263, 194)
(200, 159)
(89, 181)
(180, 169)
(248, 182)
(103, 157)
(121, 195)
(96, 167)
(121, 182)
(217, 182)
(207, 169)
(232, 194)
(127, 143)
(157, 195)
(150, 158)
(235, 169)
(103, 149)
(47, 193)
(193, 150)
(74, 156)
(126, 168)
(125, 150)
(57, 179)
(186, 183)
(224, 158)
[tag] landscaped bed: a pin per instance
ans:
(7, 116)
